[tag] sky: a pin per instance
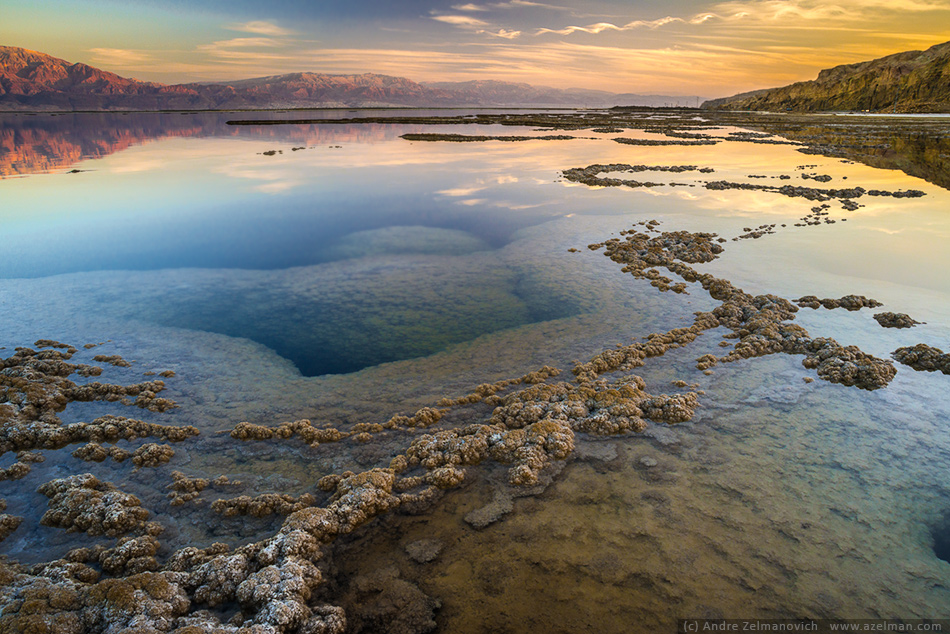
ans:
(710, 48)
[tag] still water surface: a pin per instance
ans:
(343, 274)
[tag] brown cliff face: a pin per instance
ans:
(913, 81)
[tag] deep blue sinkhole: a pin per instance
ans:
(940, 533)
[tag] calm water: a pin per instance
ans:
(341, 273)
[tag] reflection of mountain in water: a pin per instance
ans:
(32, 144)
(44, 143)
(918, 146)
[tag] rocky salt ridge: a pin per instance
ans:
(280, 583)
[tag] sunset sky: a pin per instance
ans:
(710, 48)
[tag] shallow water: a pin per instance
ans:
(363, 275)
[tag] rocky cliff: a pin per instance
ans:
(913, 81)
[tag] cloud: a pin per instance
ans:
(703, 17)
(121, 57)
(244, 42)
(243, 48)
(600, 27)
(513, 4)
(525, 3)
(505, 33)
(460, 20)
(259, 27)
(591, 28)
(819, 10)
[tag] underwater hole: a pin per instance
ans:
(940, 533)
(358, 315)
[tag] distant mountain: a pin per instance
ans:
(28, 78)
(913, 81)
(488, 92)
(35, 81)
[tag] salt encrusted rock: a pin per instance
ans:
(16, 471)
(185, 489)
(759, 322)
(189, 558)
(848, 302)
(279, 595)
(303, 429)
(152, 455)
(847, 365)
(924, 357)
(94, 452)
(34, 387)
(131, 555)
(706, 361)
(262, 505)
(361, 497)
(112, 359)
(896, 320)
(149, 601)
(425, 417)
(248, 431)
(83, 503)
(215, 582)
(445, 477)
(536, 425)
(8, 523)
(53, 600)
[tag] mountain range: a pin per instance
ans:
(912, 81)
(35, 81)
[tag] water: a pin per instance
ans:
(363, 275)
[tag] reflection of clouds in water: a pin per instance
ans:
(516, 207)
(460, 191)
(276, 181)
(143, 164)
(277, 187)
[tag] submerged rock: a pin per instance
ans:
(424, 550)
